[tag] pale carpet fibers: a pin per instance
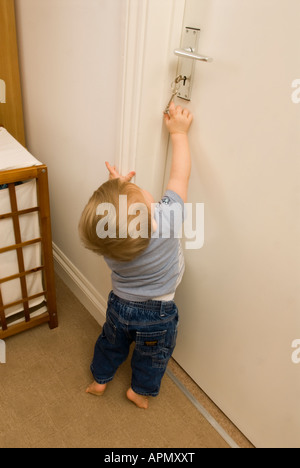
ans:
(43, 403)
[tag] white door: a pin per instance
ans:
(240, 297)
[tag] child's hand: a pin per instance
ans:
(113, 173)
(179, 120)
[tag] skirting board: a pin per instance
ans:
(80, 286)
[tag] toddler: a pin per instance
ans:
(140, 244)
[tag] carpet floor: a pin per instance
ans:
(43, 403)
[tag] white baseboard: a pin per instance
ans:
(80, 286)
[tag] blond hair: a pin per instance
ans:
(121, 248)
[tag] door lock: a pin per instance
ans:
(187, 56)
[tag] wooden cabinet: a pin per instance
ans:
(29, 306)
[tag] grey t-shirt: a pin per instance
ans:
(159, 269)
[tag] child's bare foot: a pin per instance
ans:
(139, 400)
(96, 389)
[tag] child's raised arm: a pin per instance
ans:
(178, 123)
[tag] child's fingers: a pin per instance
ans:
(109, 167)
(172, 108)
(190, 117)
(166, 117)
(113, 173)
(129, 176)
(112, 170)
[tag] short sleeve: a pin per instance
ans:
(169, 215)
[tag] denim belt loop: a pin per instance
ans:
(162, 309)
(111, 297)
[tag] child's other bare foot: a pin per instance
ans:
(96, 389)
(139, 400)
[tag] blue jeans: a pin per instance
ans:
(152, 325)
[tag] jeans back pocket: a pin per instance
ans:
(150, 343)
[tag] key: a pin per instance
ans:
(174, 94)
(176, 85)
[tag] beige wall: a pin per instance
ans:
(71, 67)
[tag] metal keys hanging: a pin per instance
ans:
(175, 87)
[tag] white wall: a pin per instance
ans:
(71, 69)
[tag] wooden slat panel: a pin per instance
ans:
(20, 327)
(19, 213)
(20, 175)
(14, 206)
(19, 246)
(21, 301)
(45, 226)
(10, 177)
(18, 275)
